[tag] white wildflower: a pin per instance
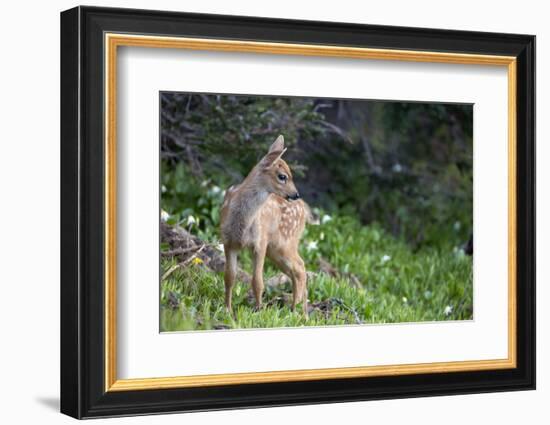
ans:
(326, 218)
(405, 300)
(163, 189)
(191, 220)
(219, 247)
(322, 236)
(448, 310)
(397, 168)
(385, 258)
(164, 216)
(312, 246)
(216, 190)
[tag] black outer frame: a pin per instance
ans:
(82, 212)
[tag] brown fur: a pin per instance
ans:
(258, 215)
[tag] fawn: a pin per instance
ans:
(266, 215)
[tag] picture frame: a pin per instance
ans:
(90, 40)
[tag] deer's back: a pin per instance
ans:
(288, 218)
(278, 222)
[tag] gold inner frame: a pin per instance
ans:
(113, 41)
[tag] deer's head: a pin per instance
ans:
(273, 174)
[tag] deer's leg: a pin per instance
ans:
(293, 266)
(299, 283)
(229, 275)
(258, 259)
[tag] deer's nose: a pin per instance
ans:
(294, 197)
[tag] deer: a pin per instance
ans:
(265, 214)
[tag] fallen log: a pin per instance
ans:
(184, 245)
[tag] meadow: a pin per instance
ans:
(357, 274)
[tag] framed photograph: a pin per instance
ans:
(261, 212)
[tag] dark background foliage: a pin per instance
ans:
(405, 166)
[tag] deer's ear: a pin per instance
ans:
(278, 145)
(271, 158)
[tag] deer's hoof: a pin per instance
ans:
(230, 311)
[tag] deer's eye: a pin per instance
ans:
(282, 178)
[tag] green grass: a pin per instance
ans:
(395, 285)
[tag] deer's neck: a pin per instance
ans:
(249, 199)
